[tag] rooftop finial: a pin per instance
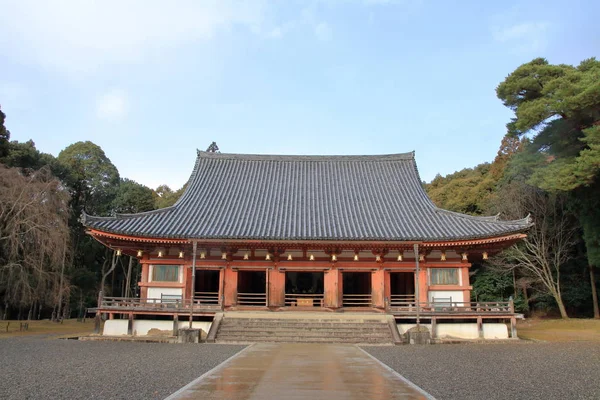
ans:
(213, 148)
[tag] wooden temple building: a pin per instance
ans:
(297, 233)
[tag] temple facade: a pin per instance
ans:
(297, 233)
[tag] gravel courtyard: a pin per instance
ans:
(39, 368)
(499, 371)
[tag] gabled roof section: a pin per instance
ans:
(273, 197)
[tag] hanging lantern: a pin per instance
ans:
(139, 253)
(355, 257)
(443, 256)
(118, 252)
(223, 256)
(246, 256)
(485, 255)
(464, 257)
(400, 256)
(311, 257)
(202, 255)
(160, 254)
(268, 257)
(378, 258)
(289, 258)
(181, 254)
(333, 257)
(421, 257)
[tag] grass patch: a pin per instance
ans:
(558, 330)
(11, 328)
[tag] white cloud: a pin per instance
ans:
(75, 36)
(323, 31)
(112, 105)
(525, 36)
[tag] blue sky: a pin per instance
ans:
(151, 81)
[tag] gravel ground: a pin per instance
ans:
(41, 368)
(499, 371)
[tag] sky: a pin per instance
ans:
(152, 81)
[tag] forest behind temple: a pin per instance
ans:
(547, 167)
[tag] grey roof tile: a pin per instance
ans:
(272, 197)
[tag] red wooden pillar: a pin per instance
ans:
(145, 275)
(276, 288)
(464, 271)
(423, 286)
(230, 287)
(187, 280)
(387, 287)
(378, 288)
(333, 288)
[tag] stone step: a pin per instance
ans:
(308, 320)
(302, 339)
(306, 330)
(365, 331)
(300, 324)
(303, 333)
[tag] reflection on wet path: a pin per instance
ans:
(301, 371)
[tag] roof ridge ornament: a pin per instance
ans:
(213, 148)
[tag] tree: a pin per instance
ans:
(559, 106)
(550, 243)
(34, 238)
(166, 197)
(4, 136)
(94, 179)
(132, 197)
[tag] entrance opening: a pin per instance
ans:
(356, 289)
(402, 285)
(207, 287)
(304, 289)
(251, 288)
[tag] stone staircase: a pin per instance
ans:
(305, 329)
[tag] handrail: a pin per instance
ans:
(449, 307)
(207, 298)
(356, 300)
(130, 303)
(252, 299)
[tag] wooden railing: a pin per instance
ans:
(156, 304)
(356, 300)
(452, 307)
(399, 299)
(304, 299)
(210, 298)
(252, 299)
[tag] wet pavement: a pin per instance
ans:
(301, 371)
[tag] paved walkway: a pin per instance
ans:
(300, 371)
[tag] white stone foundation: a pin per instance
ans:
(463, 330)
(141, 327)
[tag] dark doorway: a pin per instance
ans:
(207, 286)
(402, 288)
(356, 289)
(252, 286)
(304, 283)
(304, 289)
(402, 283)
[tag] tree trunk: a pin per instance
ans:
(128, 278)
(514, 276)
(62, 276)
(561, 306)
(594, 292)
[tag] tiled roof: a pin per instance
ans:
(270, 197)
